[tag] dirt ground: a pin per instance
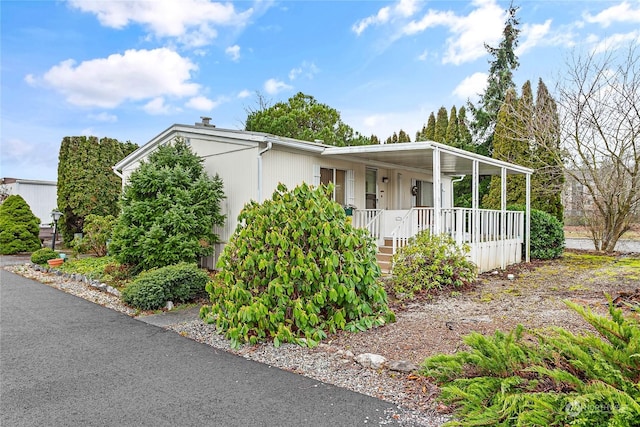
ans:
(534, 298)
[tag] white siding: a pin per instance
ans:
(239, 172)
(42, 197)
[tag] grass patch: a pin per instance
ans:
(586, 261)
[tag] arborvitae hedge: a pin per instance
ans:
(294, 270)
(86, 182)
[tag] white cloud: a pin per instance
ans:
(306, 69)
(104, 117)
(533, 35)
(87, 132)
(468, 33)
(471, 86)
(30, 80)
(191, 22)
(201, 103)
(402, 9)
(136, 75)
(157, 107)
(623, 12)
(380, 18)
(233, 52)
(424, 55)
(244, 94)
(615, 41)
(273, 86)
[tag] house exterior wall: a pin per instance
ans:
(41, 196)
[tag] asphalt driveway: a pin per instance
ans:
(65, 361)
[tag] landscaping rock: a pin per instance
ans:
(402, 366)
(370, 360)
(169, 305)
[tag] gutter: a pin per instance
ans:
(453, 181)
(260, 153)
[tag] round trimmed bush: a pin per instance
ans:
(19, 227)
(178, 283)
(145, 295)
(41, 256)
(431, 262)
(294, 270)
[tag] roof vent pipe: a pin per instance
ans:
(205, 121)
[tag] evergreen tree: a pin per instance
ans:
(427, 132)
(169, 208)
(465, 141)
(509, 146)
(86, 182)
(442, 121)
(19, 227)
(547, 182)
(453, 133)
(504, 62)
(374, 139)
(403, 136)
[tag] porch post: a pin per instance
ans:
(503, 215)
(527, 221)
(437, 194)
(475, 214)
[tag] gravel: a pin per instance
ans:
(328, 363)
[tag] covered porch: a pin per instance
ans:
(495, 237)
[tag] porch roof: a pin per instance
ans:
(419, 155)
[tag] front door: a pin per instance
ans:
(371, 188)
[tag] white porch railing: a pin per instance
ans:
(369, 219)
(461, 224)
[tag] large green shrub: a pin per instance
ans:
(431, 262)
(19, 227)
(169, 208)
(179, 283)
(294, 270)
(547, 235)
(556, 378)
(96, 233)
(41, 256)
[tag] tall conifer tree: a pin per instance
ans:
(442, 122)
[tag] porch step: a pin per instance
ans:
(384, 255)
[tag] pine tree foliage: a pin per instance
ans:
(169, 208)
(510, 146)
(430, 131)
(403, 136)
(453, 132)
(442, 122)
(504, 62)
(19, 227)
(548, 181)
(552, 378)
(86, 182)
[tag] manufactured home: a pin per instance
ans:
(394, 190)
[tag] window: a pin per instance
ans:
(338, 178)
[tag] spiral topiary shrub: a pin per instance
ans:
(41, 256)
(431, 262)
(295, 270)
(178, 283)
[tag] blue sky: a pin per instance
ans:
(130, 69)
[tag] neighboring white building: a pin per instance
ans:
(390, 187)
(41, 196)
